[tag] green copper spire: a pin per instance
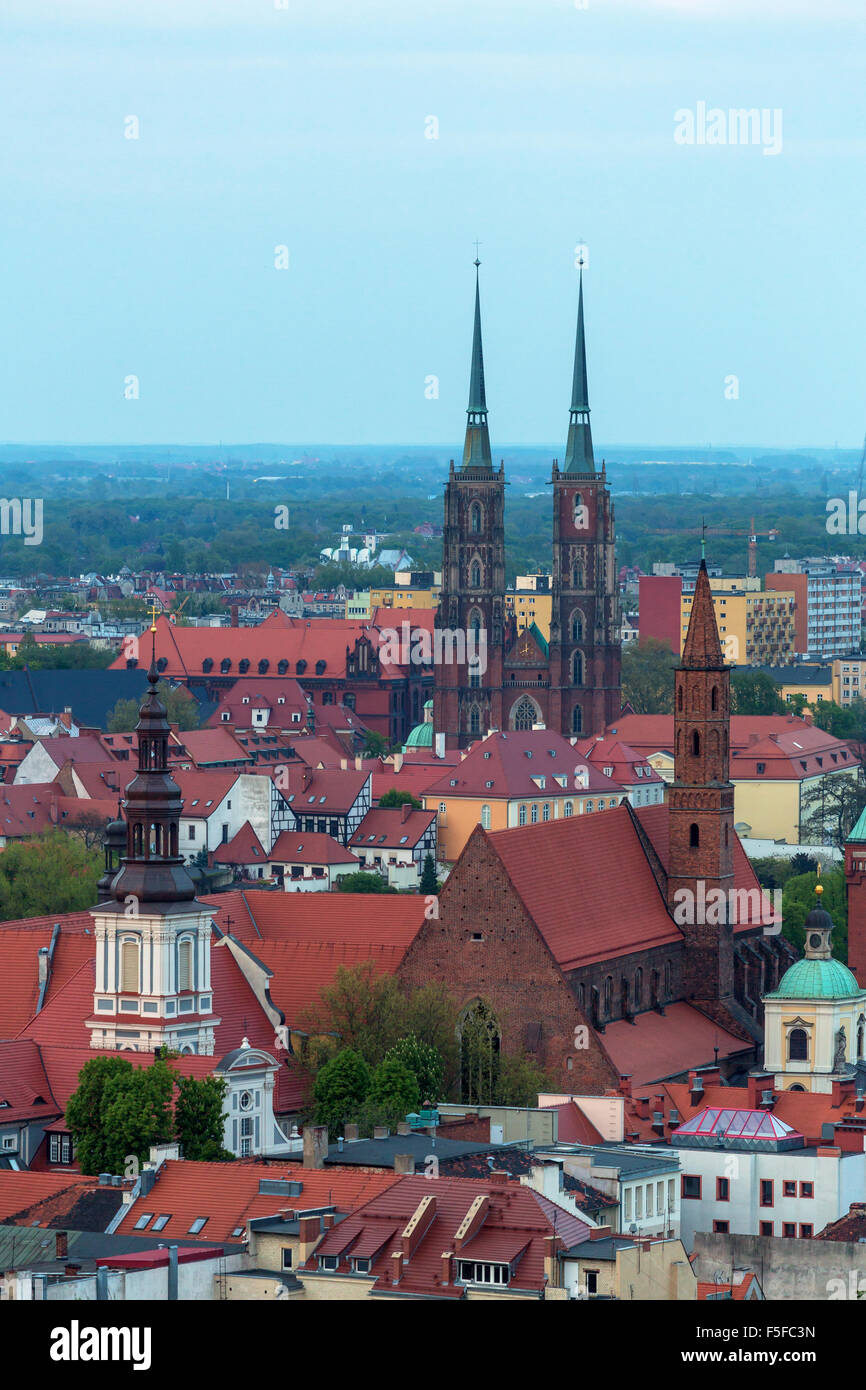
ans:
(476, 451)
(578, 450)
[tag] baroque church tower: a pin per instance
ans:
(585, 656)
(701, 803)
(153, 939)
(468, 699)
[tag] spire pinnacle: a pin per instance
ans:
(578, 450)
(702, 649)
(476, 450)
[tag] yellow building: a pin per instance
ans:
(402, 596)
(756, 629)
(529, 607)
(849, 679)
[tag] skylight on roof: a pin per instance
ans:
(197, 1225)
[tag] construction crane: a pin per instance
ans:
(753, 535)
(176, 612)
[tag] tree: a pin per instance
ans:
(198, 1116)
(375, 744)
(754, 692)
(364, 881)
(394, 797)
(50, 873)
(367, 1012)
(520, 1081)
(394, 1090)
(830, 808)
(799, 898)
(118, 1111)
(340, 1089)
(429, 882)
(424, 1062)
(648, 676)
(181, 708)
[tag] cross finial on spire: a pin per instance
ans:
(703, 538)
(153, 616)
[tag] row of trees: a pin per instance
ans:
(119, 1110)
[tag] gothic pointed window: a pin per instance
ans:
(475, 720)
(475, 620)
(524, 715)
(577, 720)
(129, 952)
(475, 518)
(479, 1053)
(475, 575)
(696, 744)
(608, 995)
(576, 577)
(694, 836)
(485, 817)
(714, 698)
(577, 626)
(577, 669)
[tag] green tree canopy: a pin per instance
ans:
(394, 1090)
(754, 692)
(429, 883)
(118, 1111)
(198, 1115)
(648, 676)
(181, 709)
(830, 809)
(798, 899)
(394, 797)
(54, 872)
(340, 1089)
(364, 881)
(424, 1062)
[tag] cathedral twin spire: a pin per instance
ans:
(578, 452)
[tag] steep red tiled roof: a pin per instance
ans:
(573, 1126)
(19, 1191)
(243, 848)
(621, 758)
(517, 1219)
(652, 733)
(20, 943)
(31, 808)
(385, 827)
(209, 746)
(202, 792)
(25, 1092)
(511, 762)
(228, 1195)
(327, 790)
(588, 886)
(297, 847)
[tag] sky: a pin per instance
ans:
(156, 154)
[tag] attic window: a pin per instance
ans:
(281, 699)
(762, 767)
(197, 1225)
(263, 665)
(300, 667)
(320, 667)
(488, 784)
(161, 1221)
(403, 839)
(143, 1220)
(488, 755)
(207, 664)
(282, 666)
(225, 716)
(238, 1231)
(244, 665)
(528, 752)
(453, 781)
(321, 800)
(225, 664)
(245, 700)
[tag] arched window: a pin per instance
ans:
(475, 720)
(479, 1053)
(568, 808)
(694, 836)
(577, 668)
(475, 518)
(521, 815)
(184, 964)
(475, 575)
(590, 805)
(475, 620)
(577, 720)
(545, 811)
(533, 812)
(798, 1045)
(577, 626)
(576, 577)
(485, 817)
(129, 967)
(608, 995)
(525, 714)
(714, 698)
(696, 744)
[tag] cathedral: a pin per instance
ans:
(572, 683)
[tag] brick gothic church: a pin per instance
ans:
(578, 921)
(573, 684)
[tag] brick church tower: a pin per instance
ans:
(467, 702)
(701, 803)
(584, 631)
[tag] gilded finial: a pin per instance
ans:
(818, 886)
(153, 616)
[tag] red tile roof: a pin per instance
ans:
(623, 761)
(296, 847)
(243, 848)
(385, 827)
(782, 741)
(654, 1046)
(207, 747)
(228, 1195)
(327, 790)
(573, 1126)
(512, 762)
(202, 792)
(806, 1112)
(516, 1219)
(21, 1190)
(25, 1092)
(20, 943)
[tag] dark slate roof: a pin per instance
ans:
(596, 1249)
(799, 675)
(91, 695)
(380, 1153)
(519, 1161)
(33, 1247)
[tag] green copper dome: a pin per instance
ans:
(420, 737)
(817, 979)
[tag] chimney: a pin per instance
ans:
(696, 1088)
(42, 957)
(439, 745)
(625, 1085)
(659, 1121)
(755, 1085)
(497, 1177)
(600, 1232)
(234, 615)
(398, 761)
(405, 812)
(404, 1127)
(447, 1257)
(768, 1099)
(61, 1245)
(307, 777)
(396, 1266)
(642, 1106)
(315, 1145)
(404, 1164)
(381, 1132)
(308, 1229)
(328, 1220)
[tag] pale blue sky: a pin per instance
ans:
(305, 126)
